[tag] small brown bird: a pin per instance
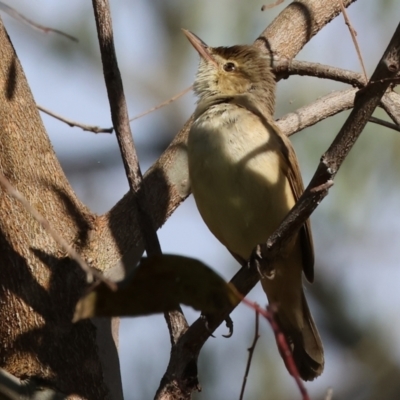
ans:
(245, 178)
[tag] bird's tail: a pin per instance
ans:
(308, 353)
(294, 319)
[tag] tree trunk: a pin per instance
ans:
(39, 283)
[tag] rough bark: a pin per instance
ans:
(39, 284)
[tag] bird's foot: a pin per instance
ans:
(265, 267)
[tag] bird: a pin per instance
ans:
(245, 178)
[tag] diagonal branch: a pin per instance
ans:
(88, 128)
(366, 101)
(19, 17)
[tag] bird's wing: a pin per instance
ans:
(296, 183)
(293, 174)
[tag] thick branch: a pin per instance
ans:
(322, 108)
(297, 24)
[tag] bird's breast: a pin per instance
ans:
(238, 177)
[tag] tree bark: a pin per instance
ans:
(39, 283)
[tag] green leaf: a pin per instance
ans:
(160, 284)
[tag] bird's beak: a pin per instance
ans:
(200, 46)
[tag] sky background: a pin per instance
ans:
(355, 298)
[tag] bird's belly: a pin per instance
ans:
(239, 185)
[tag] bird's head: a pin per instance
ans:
(230, 71)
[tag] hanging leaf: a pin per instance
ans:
(157, 285)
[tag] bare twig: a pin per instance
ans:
(19, 17)
(89, 128)
(251, 352)
(387, 124)
(175, 319)
(163, 104)
(353, 34)
(272, 5)
(97, 129)
(282, 343)
(90, 272)
(119, 115)
(284, 68)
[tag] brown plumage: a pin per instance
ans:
(245, 178)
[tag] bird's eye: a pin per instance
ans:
(229, 67)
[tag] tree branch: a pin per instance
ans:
(176, 321)
(366, 101)
(89, 128)
(120, 119)
(286, 67)
(321, 109)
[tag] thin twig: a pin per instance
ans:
(89, 128)
(282, 343)
(284, 68)
(387, 124)
(175, 319)
(272, 5)
(97, 129)
(251, 352)
(90, 272)
(163, 104)
(353, 34)
(120, 119)
(19, 17)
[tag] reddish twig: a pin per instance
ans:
(282, 343)
(353, 34)
(251, 352)
(19, 17)
(163, 104)
(89, 128)
(90, 272)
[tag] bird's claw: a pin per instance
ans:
(229, 325)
